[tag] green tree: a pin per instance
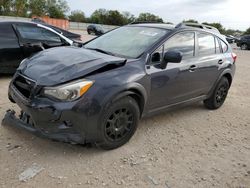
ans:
(99, 16)
(247, 32)
(114, 17)
(219, 26)
(190, 21)
(37, 7)
(128, 17)
(20, 8)
(148, 17)
(233, 32)
(5, 7)
(77, 16)
(57, 8)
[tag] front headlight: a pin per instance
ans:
(70, 91)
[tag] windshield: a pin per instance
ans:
(127, 41)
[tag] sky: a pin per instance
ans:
(232, 14)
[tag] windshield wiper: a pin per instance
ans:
(102, 51)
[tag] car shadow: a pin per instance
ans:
(6, 76)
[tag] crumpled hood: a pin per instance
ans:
(59, 65)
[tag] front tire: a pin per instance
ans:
(119, 123)
(219, 95)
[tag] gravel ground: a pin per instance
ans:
(189, 147)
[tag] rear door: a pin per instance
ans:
(210, 60)
(33, 38)
(10, 53)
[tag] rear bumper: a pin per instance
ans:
(24, 122)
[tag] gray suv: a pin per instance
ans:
(98, 93)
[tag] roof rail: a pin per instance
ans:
(144, 22)
(197, 25)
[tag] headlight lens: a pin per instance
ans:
(70, 91)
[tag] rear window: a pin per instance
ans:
(206, 44)
(217, 45)
(223, 46)
(7, 32)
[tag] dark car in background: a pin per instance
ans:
(244, 42)
(94, 29)
(230, 39)
(19, 40)
(98, 93)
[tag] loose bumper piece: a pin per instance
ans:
(24, 122)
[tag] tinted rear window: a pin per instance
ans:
(223, 46)
(206, 44)
(7, 32)
(217, 45)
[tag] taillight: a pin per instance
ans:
(234, 56)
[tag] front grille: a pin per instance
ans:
(24, 85)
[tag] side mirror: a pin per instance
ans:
(172, 56)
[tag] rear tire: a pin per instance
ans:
(219, 95)
(119, 123)
(244, 47)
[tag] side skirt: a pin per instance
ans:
(174, 106)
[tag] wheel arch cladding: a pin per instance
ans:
(135, 94)
(229, 78)
(138, 97)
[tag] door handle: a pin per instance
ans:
(192, 68)
(220, 62)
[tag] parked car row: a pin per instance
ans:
(244, 42)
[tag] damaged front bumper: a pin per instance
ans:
(74, 122)
(24, 121)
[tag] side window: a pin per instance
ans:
(206, 44)
(217, 46)
(7, 32)
(37, 33)
(184, 42)
(223, 46)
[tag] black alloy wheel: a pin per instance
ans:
(118, 123)
(217, 99)
(221, 94)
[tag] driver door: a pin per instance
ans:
(178, 82)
